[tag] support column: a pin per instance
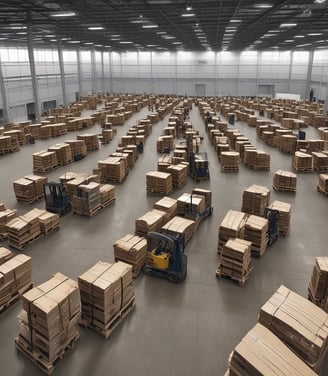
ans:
(176, 73)
(290, 69)
(110, 72)
(216, 73)
(138, 64)
(102, 73)
(238, 74)
(309, 75)
(33, 72)
(79, 70)
(325, 106)
(257, 72)
(62, 71)
(151, 72)
(93, 70)
(4, 96)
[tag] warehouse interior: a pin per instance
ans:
(157, 53)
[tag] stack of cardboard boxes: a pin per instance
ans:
(323, 184)
(48, 321)
(318, 285)
(179, 174)
(91, 141)
(152, 221)
(256, 232)
(168, 205)
(284, 181)
(159, 182)
(284, 209)
(86, 201)
(29, 188)
(255, 199)
(229, 161)
(179, 227)
(302, 162)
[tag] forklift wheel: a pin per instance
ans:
(174, 278)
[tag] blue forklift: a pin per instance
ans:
(57, 199)
(165, 257)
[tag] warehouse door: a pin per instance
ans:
(266, 90)
(200, 90)
(30, 107)
(18, 113)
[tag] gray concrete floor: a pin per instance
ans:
(184, 329)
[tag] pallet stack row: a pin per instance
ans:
(113, 169)
(179, 174)
(48, 321)
(302, 162)
(27, 228)
(29, 188)
(284, 210)
(6, 215)
(323, 184)
(5, 255)
(132, 250)
(179, 227)
(168, 205)
(86, 201)
(318, 285)
(63, 153)
(152, 221)
(15, 277)
(320, 161)
(8, 144)
(107, 296)
(91, 141)
(229, 161)
(256, 232)
(159, 182)
(235, 260)
(107, 194)
(255, 199)
(284, 181)
(78, 148)
(44, 161)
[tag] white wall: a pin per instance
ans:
(222, 73)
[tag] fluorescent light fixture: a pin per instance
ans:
(115, 35)
(303, 45)
(150, 26)
(137, 21)
(107, 46)
(188, 8)
(298, 36)
(168, 37)
(50, 36)
(88, 43)
(161, 32)
(73, 41)
(177, 43)
(114, 39)
(314, 34)
(63, 14)
(53, 40)
(96, 28)
(263, 6)
(125, 42)
(290, 24)
(66, 39)
(22, 33)
(319, 1)
(99, 45)
(151, 45)
(188, 14)
(289, 40)
(319, 41)
(3, 38)
(235, 21)
(17, 27)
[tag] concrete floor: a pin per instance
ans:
(184, 329)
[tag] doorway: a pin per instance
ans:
(30, 108)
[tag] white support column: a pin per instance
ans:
(216, 73)
(257, 72)
(5, 111)
(309, 75)
(238, 74)
(62, 71)
(79, 71)
(138, 70)
(33, 73)
(151, 72)
(290, 69)
(325, 106)
(102, 73)
(93, 70)
(110, 72)
(176, 72)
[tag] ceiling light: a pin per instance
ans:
(289, 40)
(177, 43)
(150, 26)
(235, 20)
(114, 39)
(3, 38)
(115, 35)
(319, 1)
(137, 21)
(188, 14)
(99, 45)
(151, 45)
(17, 27)
(167, 37)
(66, 39)
(161, 32)
(288, 24)
(125, 42)
(53, 40)
(189, 8)
(303, 45)
(107, 46)
(96, 28)
(263, 6)
(63, 14)
(73, 41)
(88, 43)
(298, 36)
(22, 33)
(50, 36)
(319, 41)
(314, 34)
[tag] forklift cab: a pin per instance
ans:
(56, 197)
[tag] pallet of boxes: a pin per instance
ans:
(6, 215)
(132, 250)
(30, 188)
(48, 321)
(318, 285)
(284, 181)
(322, 186)
(27, 228)
(15, 277)
(107, 296)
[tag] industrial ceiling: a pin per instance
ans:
(166, 25)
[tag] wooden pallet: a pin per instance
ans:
(44, 170)
(281, 188)
(302, 169)
(320, 169)
(91, 213)
(20, 247)
(322, 191)
(53, 229)
(37, 359)
(16, 297)
(115, 322)
(241, 281)
(156, 192)
(31, 200)
(3, 236)
(229, 169)
(108, 203)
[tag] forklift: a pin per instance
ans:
(57, 199)
(165, 257)
(198, 171)
(273, 229)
